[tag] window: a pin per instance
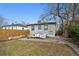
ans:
(32, 27)
(39, 27)
(45, 27)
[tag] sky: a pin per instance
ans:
(21, 12)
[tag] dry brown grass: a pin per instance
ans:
(31, 48)
(10, 33)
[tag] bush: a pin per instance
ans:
(59, 33)
(73, 31)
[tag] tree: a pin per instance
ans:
(3, 21)
(65, 11)
(56, 10)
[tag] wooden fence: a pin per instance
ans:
(4, 34)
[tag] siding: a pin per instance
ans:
(50, 32)
(15, 27)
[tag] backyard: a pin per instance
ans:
(34, 48)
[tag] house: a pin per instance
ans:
(15, 27)
(40, 29)
(46, 29)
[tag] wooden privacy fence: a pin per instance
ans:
(4, 34)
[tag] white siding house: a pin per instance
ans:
(15, 27)
(43, 29)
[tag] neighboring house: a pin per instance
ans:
(15, 27)
(47, 29)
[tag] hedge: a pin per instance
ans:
(73, 31)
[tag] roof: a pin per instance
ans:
(29, 24)
(15, 25)
(42, 23)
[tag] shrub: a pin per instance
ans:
(59, 33)
(73, 31)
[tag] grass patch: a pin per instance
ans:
(26, 48)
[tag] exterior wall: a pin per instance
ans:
(50, 32)
(19, 28)
(3, 28)
(27, 28)
(10, 27)
(15, 28)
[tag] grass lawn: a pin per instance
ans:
(24, 48)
